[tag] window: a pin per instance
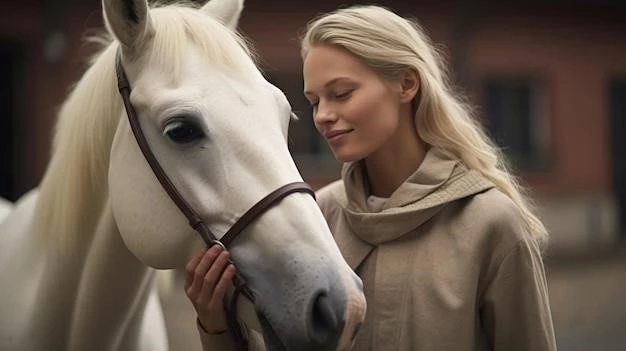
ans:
(516, 112)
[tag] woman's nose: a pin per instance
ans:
(323, 114)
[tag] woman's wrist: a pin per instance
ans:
(211, 332)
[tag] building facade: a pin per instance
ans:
(548, 80)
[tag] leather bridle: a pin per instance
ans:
(195, 221)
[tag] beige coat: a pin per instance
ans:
(446, 263)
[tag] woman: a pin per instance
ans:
(426, 212)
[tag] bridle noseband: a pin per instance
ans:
(194, 219)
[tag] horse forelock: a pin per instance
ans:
(178, 27)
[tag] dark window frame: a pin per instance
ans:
(510, 101)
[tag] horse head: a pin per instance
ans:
(219, 131)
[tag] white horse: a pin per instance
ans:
(76, 255)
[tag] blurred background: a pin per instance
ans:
(548, 79)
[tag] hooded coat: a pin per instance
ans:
(446, 262)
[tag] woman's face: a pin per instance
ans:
(353, 108)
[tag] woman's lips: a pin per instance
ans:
(333, 136)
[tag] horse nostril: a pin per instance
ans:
(324, 321)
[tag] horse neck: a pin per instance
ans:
(92, 297)
(86, 269)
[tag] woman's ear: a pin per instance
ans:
(409, 85)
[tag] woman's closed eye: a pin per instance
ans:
(343, 95)
(338, 96)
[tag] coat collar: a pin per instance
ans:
(440, 179)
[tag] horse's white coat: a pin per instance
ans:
(75, 253)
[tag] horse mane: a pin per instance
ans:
(74, 189)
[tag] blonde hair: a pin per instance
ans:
(390, 44)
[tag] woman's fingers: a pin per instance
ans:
(207, 278)
(191, 267)
(197, 275)
(212, 277)
(212, 314)
(222, 285)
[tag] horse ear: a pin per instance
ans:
(225, 11)
(128, 20)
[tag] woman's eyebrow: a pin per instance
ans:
(329, 83)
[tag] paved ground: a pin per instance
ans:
(588, 297)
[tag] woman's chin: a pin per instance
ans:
(346, 156)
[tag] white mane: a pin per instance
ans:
(74, 188)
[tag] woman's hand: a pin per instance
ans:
(208, 276)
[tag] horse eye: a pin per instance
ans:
(182, 132)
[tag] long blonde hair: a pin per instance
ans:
(390, 44)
